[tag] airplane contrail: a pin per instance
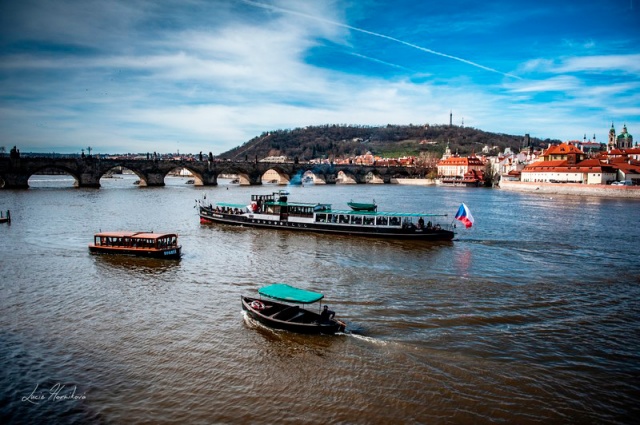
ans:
(375, 34)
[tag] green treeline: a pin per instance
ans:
(341, 141)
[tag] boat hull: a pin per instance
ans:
(170, 254)
(290, 318)
(207, 216)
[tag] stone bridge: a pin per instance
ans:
(87, 171)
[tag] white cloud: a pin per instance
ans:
(208, 78)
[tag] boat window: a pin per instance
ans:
(356, 219)
(343, 219)
(382, 221)
(321, 218)
(300, 211)
(368, 221)
(394, 221)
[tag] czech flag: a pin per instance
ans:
(464, 215)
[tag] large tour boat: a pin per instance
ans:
(274, 211)
(141, 244)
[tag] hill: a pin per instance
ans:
(391, 141)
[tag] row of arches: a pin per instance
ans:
(61, 177)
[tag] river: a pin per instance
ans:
(530, 316)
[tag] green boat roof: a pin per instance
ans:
(291, 204)
(230, 205)
(284, 292)
(382, 213)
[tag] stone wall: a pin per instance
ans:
(414, 182)
(573, 189)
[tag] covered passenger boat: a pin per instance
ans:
(141, 244)
(275, 211)
(291, 317)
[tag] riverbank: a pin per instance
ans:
(601, 190)
(413, 182)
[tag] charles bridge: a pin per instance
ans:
(15, 170)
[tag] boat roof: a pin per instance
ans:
(328, 210)
(284, 292)
(141, 235)
(230, 205)
(383, 213)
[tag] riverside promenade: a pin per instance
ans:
(601, 190)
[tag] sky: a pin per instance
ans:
(186, 76)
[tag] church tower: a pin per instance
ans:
(612, 138)
(624, 140)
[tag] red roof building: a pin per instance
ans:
(565, 163)
(456, 169)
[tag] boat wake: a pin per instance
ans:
(368, 339)
(347, 333)
(255, 324)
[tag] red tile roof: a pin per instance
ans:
(562, 149)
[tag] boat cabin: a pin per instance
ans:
(136, 240)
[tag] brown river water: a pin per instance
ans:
(530, 316)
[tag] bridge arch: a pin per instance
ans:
(374, 177)
(52, 171)
(346, 177)
(277, 174)
(195, 175)
(116, 170)
(106, 170)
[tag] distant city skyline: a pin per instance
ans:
(129, 76)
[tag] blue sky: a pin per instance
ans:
(191, 75)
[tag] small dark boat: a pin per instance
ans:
(363, 206)
(5, 219)
(290, 317)
(141, 244)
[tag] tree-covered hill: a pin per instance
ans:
(341, 141)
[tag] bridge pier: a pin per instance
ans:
(15, 181)
(208, 179)
(154, 179)
(87, 180)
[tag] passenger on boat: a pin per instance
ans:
(421, 223)
(326, 314)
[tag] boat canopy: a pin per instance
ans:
(284, 292)
(384, 214)
(231, 205)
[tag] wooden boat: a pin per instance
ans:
(142, 244)
(361, 206)
(274, 211)
(290, 317)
